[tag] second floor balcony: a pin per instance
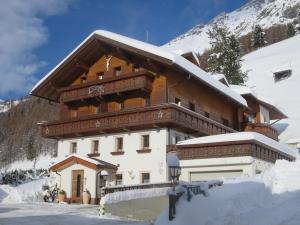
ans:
(141, 80)
(152, 117)
(262, 128)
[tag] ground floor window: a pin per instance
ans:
(119, 179)
(145, 178)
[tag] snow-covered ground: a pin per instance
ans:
(261, 65)
(272, 198)
(55, 214)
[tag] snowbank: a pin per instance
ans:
(28, 192)
(133, 194)
(271, 198)
(43, 162)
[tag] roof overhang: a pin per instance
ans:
(48, 86)
(91, 163)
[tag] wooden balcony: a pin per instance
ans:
(165, 115)
(263, 128)
(141, 80)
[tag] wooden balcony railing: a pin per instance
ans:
(165, 115)
(263, 128)
(141, 80)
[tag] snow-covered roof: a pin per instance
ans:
(241, 136)
(154, 51)
(293, 140)
(219, 77)
(246, 90)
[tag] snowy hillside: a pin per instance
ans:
(6, 105)
(262, 64)
(241, 21)
(271, 198)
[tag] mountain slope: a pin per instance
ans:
(264, 12)
(262, 64)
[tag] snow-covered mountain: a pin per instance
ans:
(282, 57)
(6, 105)
(241, 21)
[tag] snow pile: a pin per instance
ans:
(133, 194)
(43, 162)
(261, 64)
(271, 198)
(28, 192)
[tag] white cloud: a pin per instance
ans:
(21, 31)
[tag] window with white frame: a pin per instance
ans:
(95, 146)
(145, 178)
(146, 141)
(119, 144)
(73, 149)
(119, 179)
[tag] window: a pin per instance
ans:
(147, 101)
(281, 75)
(118, 70)
(119, 144)
(206, 114)
(177, 101)
(225, 122)
(119, 179)
(136, 68)
(145, 178)
(145, 141)
(192, 106)
(83, 80)
(100, 75)
(121, 106)
(177, 139)
(73, 147)
(95, 146)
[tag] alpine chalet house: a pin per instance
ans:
(125, 103)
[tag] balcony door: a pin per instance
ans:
(77, 185)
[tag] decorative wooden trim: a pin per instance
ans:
(148, 150)
(263, 128)
(164, 115)
(229, 149)
(93, 155)
(117, 153)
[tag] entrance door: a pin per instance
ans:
(77, 185)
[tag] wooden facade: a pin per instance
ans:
(229, 149)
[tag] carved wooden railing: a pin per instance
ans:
(141, 80)
(165, 115)
(263, 128)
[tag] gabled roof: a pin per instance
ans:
(92, 163)
(241, 136)
(275, 111)
(141, 48)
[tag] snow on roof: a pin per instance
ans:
(160, 52)
(241, 136)
(246, 90)
(91, 160)
(293, 140)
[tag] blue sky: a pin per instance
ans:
(50, 29)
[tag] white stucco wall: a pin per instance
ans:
(131, 164)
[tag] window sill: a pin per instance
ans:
(148, 150)
(117, 153)
(93, 155)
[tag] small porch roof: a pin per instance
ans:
(91, 163)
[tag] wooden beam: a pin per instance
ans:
(81, 65)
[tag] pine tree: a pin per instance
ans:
(225, 57)
(291, 30)
(258, 37)
(31, 152)
(298, 22)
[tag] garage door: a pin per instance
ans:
(212, 175)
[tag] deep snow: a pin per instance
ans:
(272, 198)
(261, 65)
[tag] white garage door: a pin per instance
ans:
(212, 175)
